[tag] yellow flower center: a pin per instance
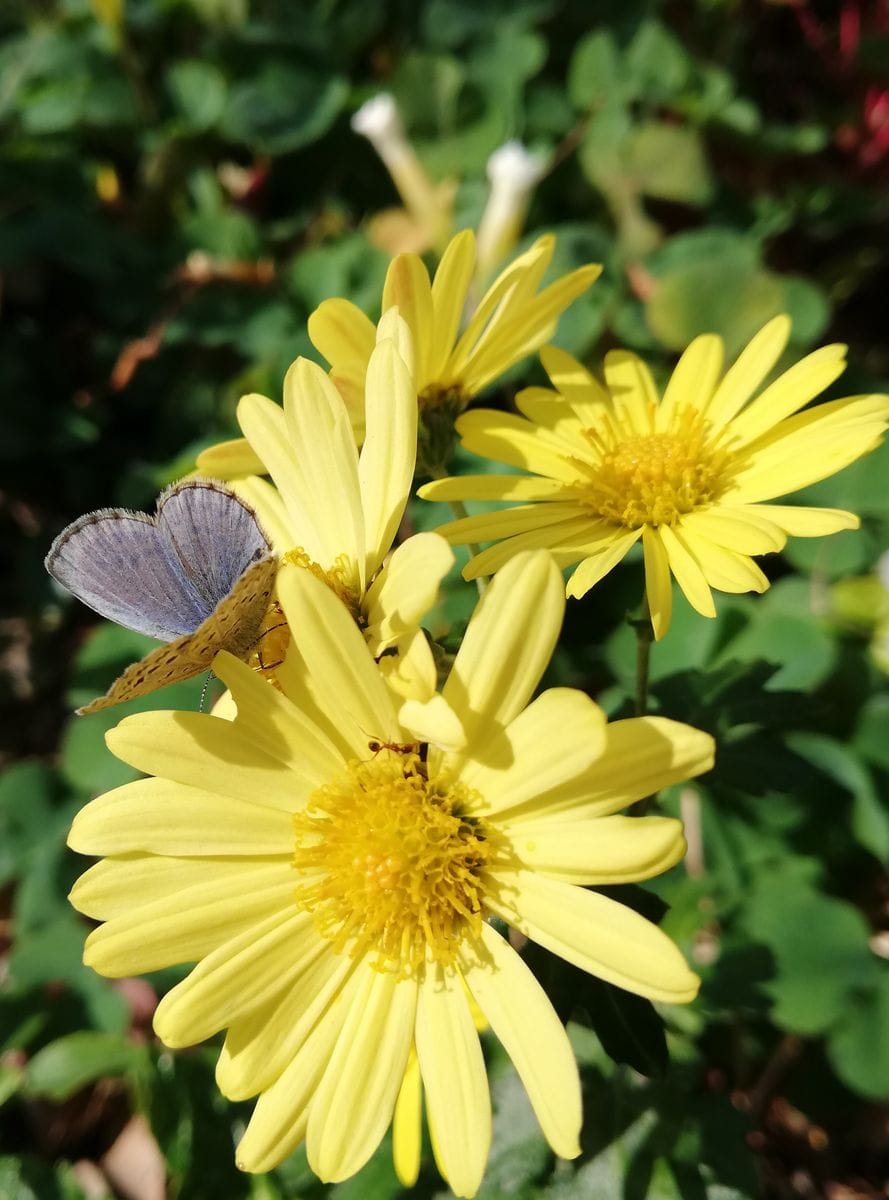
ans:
(395, 868)
(654, 478)
(339, 578)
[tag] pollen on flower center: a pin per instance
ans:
(396, 870)
(338, 578)
(654, 478)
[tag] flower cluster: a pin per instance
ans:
(355, 845)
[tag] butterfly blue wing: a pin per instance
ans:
(212, 535)
(116, 562)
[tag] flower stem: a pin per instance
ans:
(644, 638)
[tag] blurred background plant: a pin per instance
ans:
(180, 187)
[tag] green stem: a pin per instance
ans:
(458, 508)
(644, 638)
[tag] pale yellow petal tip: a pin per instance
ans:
(433, 721)
(590, 273)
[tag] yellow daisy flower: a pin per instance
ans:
(512, 320)
(336, 511)
(333, 872)
(686, 473)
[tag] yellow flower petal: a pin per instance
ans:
(406, 588)
(251, 969)
(615, 544)
(808, 522)
(693, 379)
(632, 389)
(271, 512)
(549, 410)
(388, 456)
(453, 1070)
(790, 392)
(744, 530)
(344, 335)
(326, 459)
(345, 678)
(574, 532)
(450, 288)
(724, 569)
(748, 371)
(507, 645)
(573, 381)
(407, 286)
(433, 721)
(276, 726)
(688, 571)
(608, 850)
(508, 341)
(642, 755)
(265, 427)
(355, 1099)
(156, 816)
(508, 291)
(658, 581)
(280, 1118)
(260, 1046)
(596, 934)
(407, 1131)
(558, 735)
(204, 752)
(522, 1017)
(410, 672)
(486, 526)
(513, 440)
(185, 926)
(810, 446)
(493, 487)
(229, 460)
(119, 885)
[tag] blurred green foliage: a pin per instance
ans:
(180, 187)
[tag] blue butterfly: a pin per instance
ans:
(198, 575)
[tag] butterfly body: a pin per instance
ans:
(198, 575)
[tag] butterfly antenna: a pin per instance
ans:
(204, 691)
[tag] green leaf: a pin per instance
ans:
(70, 1063)
(629, 1028)
(784, 630)
(859, 1048)
(656, 64)
(821, 951)
(594, 74)
(870, 816)
(283, 106)
(198, 90)
(667, 161)
(719, 296)
(27, 791)
(869, 738)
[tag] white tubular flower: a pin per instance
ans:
(380, 122)
(513, 173)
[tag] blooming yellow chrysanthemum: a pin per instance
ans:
(332, 871)
(336, 511)
(686, 473)
(511, 321)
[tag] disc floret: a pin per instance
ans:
(396, 868)
(655, 478)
